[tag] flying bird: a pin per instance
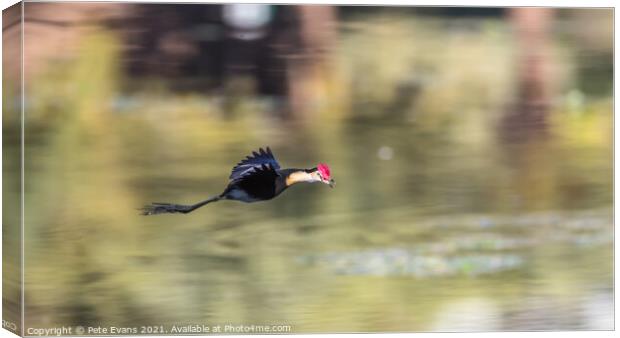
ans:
(256, 178)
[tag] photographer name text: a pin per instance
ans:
(157, 329)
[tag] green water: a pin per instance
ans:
(437, 223)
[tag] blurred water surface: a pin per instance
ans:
(448, 213)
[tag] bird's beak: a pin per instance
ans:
(332, 183)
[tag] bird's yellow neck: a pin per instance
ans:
(298, 176)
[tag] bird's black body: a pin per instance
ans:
(256, 178)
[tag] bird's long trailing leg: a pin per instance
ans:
(163, 208)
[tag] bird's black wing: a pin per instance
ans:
(254, 161)
(259, 182)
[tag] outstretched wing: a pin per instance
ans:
(254, 161)
(259, 183)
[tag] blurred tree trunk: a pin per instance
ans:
(301, 43)
(524, 128)
(287, 57)
(528, 115)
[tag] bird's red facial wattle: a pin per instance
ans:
(326, 177)
(324, 170)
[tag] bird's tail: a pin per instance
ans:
(163, 208)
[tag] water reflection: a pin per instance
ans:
(436, 209)
(457, 316)
(395, 262)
